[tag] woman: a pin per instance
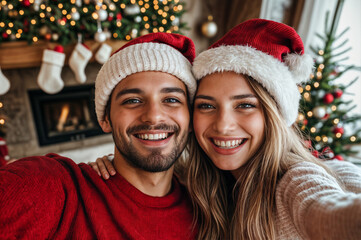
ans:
(250, 175)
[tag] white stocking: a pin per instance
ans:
(78, 60)
(49, 78)
(4, 83)
(103, 53)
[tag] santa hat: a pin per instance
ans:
(164, 52)
(271, 53)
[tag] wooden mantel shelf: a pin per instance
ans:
(19, 54)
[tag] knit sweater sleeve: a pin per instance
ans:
(32, 196)
(312, 203)
(348, 173)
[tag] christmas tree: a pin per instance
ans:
(325, 116)
(62, 21)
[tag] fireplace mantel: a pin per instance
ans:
(19, 54)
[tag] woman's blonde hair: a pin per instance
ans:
(245, 207)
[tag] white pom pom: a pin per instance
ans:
(301, 66)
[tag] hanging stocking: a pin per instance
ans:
(78, 61)
(4, 83)
(4, 153)
(103, 53)
(49, 78)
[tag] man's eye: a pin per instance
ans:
(131, 101)
(205, 106)
(172, 100)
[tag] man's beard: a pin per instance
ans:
(155, 161)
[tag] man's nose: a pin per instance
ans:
(153, 113)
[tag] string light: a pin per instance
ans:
(321, 52)
(336, 121)
(318, 138)
(313, 129)
(352, 138)
(338, 135)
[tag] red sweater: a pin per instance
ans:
(51, 197)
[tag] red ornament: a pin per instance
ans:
(119, 16)
(338, 93)
(308, 143)
(110, 18)
(26, 3)
(328, 98)
(326, 116)
(5, 35)
(339, 157)
(315, 153)
(305, 121)
(47, 36)
(59, 48)
(338, 130)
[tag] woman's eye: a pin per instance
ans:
(246, 105)
(205, 106)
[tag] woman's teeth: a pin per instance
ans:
(157, 136)
(229, 143)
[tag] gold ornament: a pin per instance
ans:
(209, 28)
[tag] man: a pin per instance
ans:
(142, 97)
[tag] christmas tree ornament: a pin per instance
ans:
(138, 19)
(339, 157)
(318, 146)
(330, 140)
(338, 129)
(319, 111)
(55, 37)
(319, 59)
(328, 98)
(26, 3)
(75, 15)
(78, 60)
(209, 28)
(47, 37)
(78, 3)
(36, 5)
(134, 33)
(176, 21)
(132, 9)
(103, 53)
(337, 93)
(49, 78)
(321, 93)
(100, 36)
(103, 14)
(4, 83)
(144, 32)
(44, 30)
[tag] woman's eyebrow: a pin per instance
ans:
(241, 96)
(204, 97)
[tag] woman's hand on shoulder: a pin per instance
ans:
(104, 166)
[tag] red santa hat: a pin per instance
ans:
(271, 53)
(164, 52)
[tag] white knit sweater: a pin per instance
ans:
(312, 205)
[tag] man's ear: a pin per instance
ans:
(105, 124)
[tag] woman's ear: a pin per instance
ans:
(105, 125)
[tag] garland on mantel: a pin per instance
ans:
(71, 21)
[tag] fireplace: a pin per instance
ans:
(66, 116)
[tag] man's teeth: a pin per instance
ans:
(157, 136)
(228, 144)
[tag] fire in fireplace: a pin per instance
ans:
(66, 116)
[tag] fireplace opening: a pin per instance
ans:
(66, 116)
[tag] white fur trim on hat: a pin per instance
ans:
(148, 56)
(271, 73)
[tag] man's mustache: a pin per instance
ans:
(145, 127)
